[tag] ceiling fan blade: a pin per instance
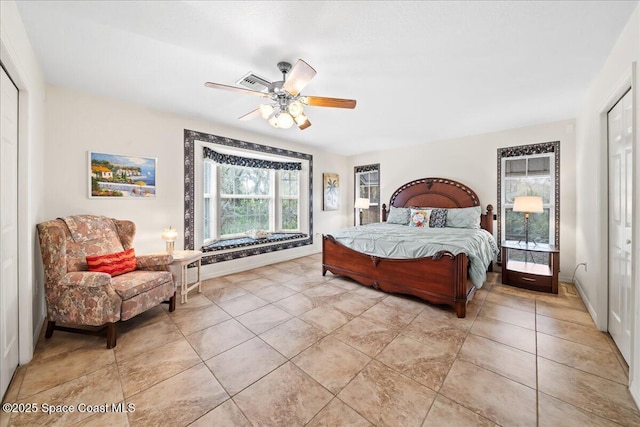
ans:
(305, 125)
(236, 89)
(320, 101)
(252, 115)
(300, 75)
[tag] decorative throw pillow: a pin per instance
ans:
(113, 264)
(438, 218)
(419, 217)
(464, 217)
(399, 216)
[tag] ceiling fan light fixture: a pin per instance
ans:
(300, 119)
(295, 108)
(285, 121)
(266, 110)
(273, 121)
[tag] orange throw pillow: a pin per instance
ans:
(113, 264)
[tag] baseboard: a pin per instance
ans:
(586, 301)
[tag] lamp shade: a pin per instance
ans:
(529, 204)
(362, 203)
(169, 234)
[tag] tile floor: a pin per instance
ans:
(283, 346)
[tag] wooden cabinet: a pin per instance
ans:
(531, 266)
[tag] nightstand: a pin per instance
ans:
(531, 266)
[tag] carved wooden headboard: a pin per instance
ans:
(438, 193)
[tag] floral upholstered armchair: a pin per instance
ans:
(119, 285)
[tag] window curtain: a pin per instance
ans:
(229, 159)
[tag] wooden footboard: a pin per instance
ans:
(440, 279)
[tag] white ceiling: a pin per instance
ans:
(420, 71)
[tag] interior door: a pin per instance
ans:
(620, 131)
(8, 230)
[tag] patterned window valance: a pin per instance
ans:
(366, 168)
(229, 159)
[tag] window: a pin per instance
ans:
(367, 186)
(234, 186)
(249, 198)
(530, 170)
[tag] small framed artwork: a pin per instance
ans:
(122, 176)
(331, 191)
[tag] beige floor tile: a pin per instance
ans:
(274, 293)
(242, 304)
(197, 319)
(369, 338)
(110, 419)
(505, 333)
(447, 333)
(425, 363)
(445, 412)
(242, 277)
(63, 342)
(263, 319)
(602, 397)
(325, 317)
(389, 316)
(514, 316)
(216, 282)
(574, 302)
(281, 275)
(291, 337)
(97, 388)
(305, 282)
(324, 293)
(353, 304)
(563, 313)
(227, 293)
(285, 397)
(369, 292)
(512, 290)
(225, 415)
(147, 337)
(493, 396)
(11, 395)
(332, 363)
(47, 373)
(218, 338)
(296, 304)
(553, 413)
(346, 284)
(245, 364)
(513, 301)
(602, 363)
(141, 371)
(387, 398)
(196, 301)
(507, 361)
(256, 284)
(572, 332)
(178, 400)
(336, 414)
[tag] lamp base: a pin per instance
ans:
(170, 247)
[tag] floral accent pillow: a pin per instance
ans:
(113, 264)
(419, 217)
(399, 216)
(438, 218)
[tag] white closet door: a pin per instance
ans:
(620, 197)
(8, 230)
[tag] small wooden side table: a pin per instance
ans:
(530, 275)
(182, 259)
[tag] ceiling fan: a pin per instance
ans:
(286, 105)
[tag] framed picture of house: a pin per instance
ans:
(121, 176)
(330, 191)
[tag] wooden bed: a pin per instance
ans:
(440, 279)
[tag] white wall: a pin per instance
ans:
(591, 173)
(19, 59)
(472, 160)
(78, 122)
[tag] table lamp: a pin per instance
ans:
(361, 203)
(527, 204)
(169, 235)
